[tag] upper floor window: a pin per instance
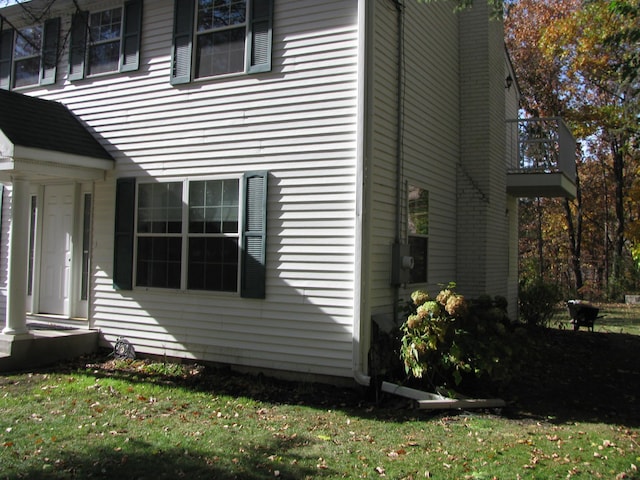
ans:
(105, 41)
(29, 56)
(105, 32)
(218, 37)
(26, 56)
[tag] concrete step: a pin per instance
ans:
(5, 344)
(46, 347)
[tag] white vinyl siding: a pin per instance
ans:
(432, 127)
(430, 138)
(299, 123)
(483, 233)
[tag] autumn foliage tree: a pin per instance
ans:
(579, 59)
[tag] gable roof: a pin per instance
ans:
(46, 125)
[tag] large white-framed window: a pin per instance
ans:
(188, 234)
(418, 232)
(29, 55)
(202, 234)
(220, 37)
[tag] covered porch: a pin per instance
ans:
(49, 161)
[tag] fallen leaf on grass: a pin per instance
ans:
(396, 453)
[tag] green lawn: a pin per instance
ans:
(616, 318)
(89, 421)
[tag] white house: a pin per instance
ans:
(253, 181)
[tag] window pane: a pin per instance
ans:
(220, 53)
(213, 264)
(28, 42)
(213, 192)
(105, 25)
(196, 193)
(160, 208)
(159, 262)
(220, 13)
(27, 72)
(213, 206)
(419, 250)
(104, 57)
(230, 219)
(196, 219)
(230, 192)
(213, 220)
(418, 232)
(418, 211)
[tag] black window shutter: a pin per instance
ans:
(131, 34)
(182, 41)
(50, 38)
(78, 45)
(6, 51)
(260, 36)
(124, 231)
(254, 236)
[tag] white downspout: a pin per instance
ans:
(361, 290)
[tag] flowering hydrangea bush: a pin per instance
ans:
(448, 338)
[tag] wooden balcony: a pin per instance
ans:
(540, 158)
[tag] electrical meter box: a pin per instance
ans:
(401, 263)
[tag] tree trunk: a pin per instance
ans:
(575, 236)
(618, 242)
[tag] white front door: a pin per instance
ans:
(55, 261)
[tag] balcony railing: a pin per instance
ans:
(540, 158)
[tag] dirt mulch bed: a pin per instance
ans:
(567, 376)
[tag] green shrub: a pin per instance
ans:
(449, 339)
(538, 301)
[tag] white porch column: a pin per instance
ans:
(16, 321)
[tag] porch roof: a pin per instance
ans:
(36, 131)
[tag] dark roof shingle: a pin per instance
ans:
(45, 124)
